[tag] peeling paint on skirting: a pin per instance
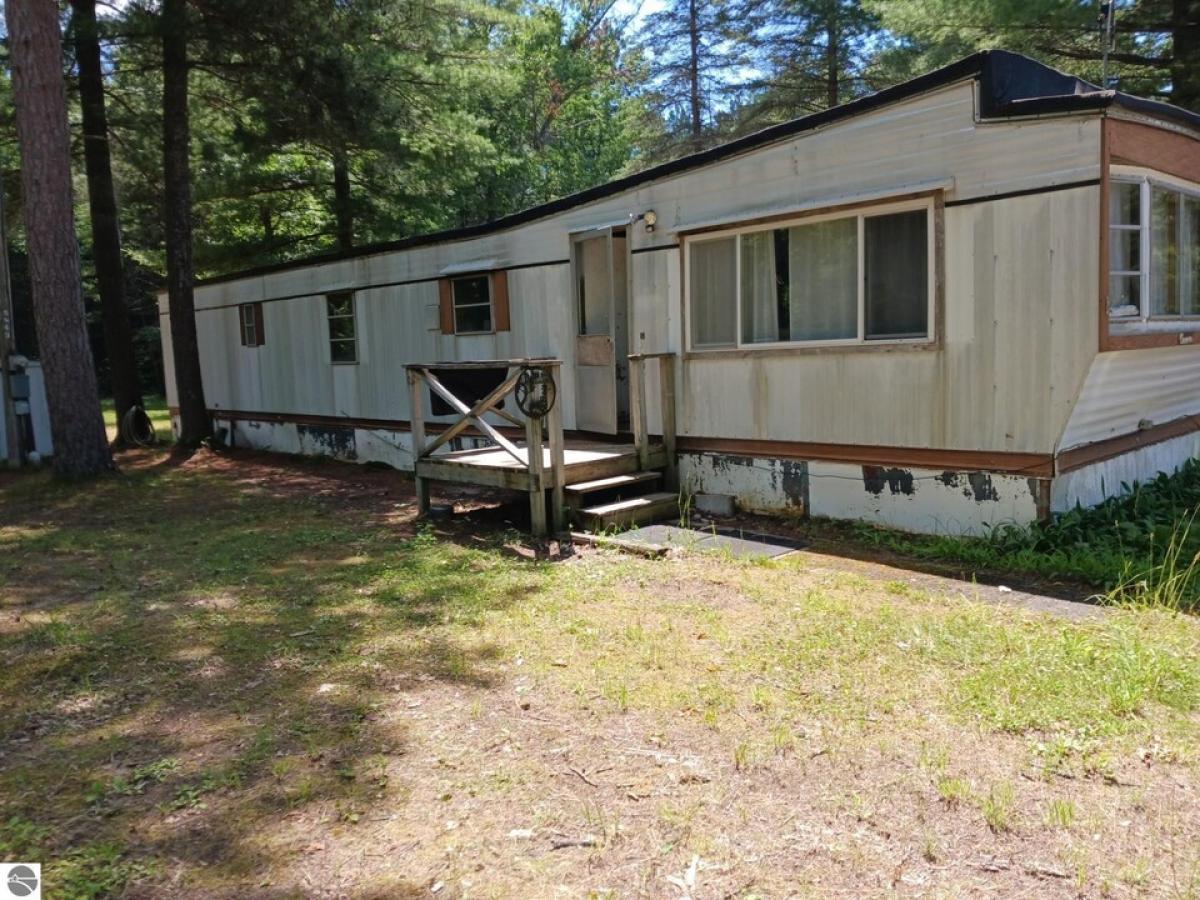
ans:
(922, 500)
(393, 448)
(930, 501)
(327, 440)
(758, 485)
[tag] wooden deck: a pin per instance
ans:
(557, 462)
(495, 467)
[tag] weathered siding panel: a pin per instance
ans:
(1127, 386)
(1019, 332)
(929, 137)
(1020, 277)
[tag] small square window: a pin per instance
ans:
(343, 331)
(472, 298)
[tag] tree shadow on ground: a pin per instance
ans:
(199, 678)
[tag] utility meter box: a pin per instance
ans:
(20, 386)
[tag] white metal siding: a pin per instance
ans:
(1126, 386)
(1020, 275)
(1020, 330)
(1092, 484)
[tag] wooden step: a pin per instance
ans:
(613, 483)
(634, 511)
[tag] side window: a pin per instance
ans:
(343, 333)
(1153, 254)
(858, 278)
(250, 318)
(896, 275)
(714, 292)
(1174, 253)
(1125, 250)
(472, 304)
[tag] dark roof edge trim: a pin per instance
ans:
(1010, 85)
(959, 71)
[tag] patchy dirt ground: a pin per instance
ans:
(245, 675)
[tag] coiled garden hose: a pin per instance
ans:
(137, 429)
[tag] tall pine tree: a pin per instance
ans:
(695, 50)
(194, 424)
(811, 54)
(39, 95)
(102, 204)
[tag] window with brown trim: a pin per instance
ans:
(1154, 254)
(474, 303)
(472, 299)
(832, 279)
(343, 329)
(250, 320)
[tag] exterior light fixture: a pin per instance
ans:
(650, 217)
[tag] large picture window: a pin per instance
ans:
(827, 279)
(1153, 252)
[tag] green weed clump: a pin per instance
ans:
(1140, 547)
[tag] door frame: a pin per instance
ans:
(609, 407)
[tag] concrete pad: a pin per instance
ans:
(734, 541)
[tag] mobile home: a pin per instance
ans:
(968, 299)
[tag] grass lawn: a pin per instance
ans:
(249, 676)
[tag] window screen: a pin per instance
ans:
(847, 278)
(896, 276)
(713, 287)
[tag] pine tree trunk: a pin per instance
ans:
(832, 66)
(697, 108)
(39, 97)
(177, 173)
(343, 211)
(268, 224)
(1185, 57)
(102, 203)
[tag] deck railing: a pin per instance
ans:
(637, 410)
(532, 464)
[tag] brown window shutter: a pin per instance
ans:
(500, 319)
(445, 306)
(258, 325)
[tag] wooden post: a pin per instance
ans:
(558, 498)
(637, 409)
(666, 385)
(416, 417)
(537, 496)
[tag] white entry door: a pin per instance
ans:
(600, 271)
